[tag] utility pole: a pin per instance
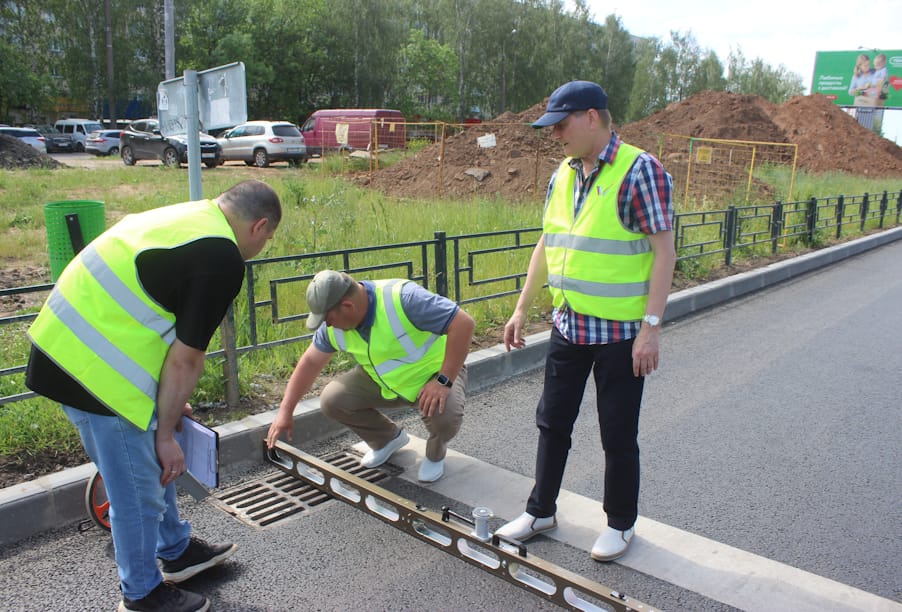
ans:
(169, 39)
(111, 96)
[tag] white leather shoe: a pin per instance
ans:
(430, 471)
(375, 458)
(612, 544)
(526, 526)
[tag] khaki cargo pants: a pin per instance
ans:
(352, 399)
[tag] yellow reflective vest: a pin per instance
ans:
(398, 356)
(100, 325)
(595, 265)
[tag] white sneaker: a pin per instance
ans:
(526, 526)
(430, 471)
(612, 543)
(375, 458)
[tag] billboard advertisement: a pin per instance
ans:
(864, 78)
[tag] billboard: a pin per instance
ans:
(864, 78)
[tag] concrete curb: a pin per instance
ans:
(57, 499)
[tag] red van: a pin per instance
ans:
(337, 129)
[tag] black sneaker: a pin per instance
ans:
(166, 597)
(197, 557)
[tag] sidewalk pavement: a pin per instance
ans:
(56, 500)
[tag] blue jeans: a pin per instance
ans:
(617, 401)
(144, 517)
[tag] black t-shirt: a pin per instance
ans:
(196, 282)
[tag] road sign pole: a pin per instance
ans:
(195, 188)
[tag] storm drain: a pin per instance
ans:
(277, 496)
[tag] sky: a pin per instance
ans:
(785, 32)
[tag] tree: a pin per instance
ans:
(24, 78)
(427, 77)
(618, 66)
(760, 79)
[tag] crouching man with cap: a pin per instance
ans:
(607, 255)
(410, 346)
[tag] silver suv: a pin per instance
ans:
(258, 143)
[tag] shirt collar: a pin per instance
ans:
(371, 305)
(607, 155)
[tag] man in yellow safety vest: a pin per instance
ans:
(121, 342)
(607, 255)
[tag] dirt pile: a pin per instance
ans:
(519, 166)
(15, 154)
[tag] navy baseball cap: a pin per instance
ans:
(570, 97)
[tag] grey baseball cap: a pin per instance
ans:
(324, 292)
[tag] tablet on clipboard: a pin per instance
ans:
(200, 445)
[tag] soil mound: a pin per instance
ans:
(521, 162)
(831, 140)
(15, 154)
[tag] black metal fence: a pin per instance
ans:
(485, 266)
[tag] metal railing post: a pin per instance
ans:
(865, 205)
(840, 213)
(728, 236)
(884, 200)
(898, 207)
(776, 226)
(230, 367)
(441, 264)
(811, 219)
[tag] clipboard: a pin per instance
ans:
(200, 445)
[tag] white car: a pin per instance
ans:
(28, 136)
(104, 142)
(258, 143)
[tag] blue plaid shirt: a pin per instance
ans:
(645, 206)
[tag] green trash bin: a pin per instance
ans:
(71, 225)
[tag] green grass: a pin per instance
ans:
(323, 210)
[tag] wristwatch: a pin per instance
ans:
(652, 320)
(444, 380)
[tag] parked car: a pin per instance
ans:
(56, 141)
(104, 142)
(142, 140)
(27, 135)
(259, 143)
(78, 129)
(350, 129)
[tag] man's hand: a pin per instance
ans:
(431, 398)
(186, 412)
(513, 331)
(645, 351)
(172, 460)
(283, 423)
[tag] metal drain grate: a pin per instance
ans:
(277, 496)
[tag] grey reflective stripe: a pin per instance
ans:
(414, 353)
(125, 297)
(605, 290)
(103, 348)
(340, 339)
(394, 319)
(598, 245)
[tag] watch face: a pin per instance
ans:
(652, 320)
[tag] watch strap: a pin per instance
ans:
(444, 380)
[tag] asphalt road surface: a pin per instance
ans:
(772, 474)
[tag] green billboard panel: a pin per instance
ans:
(863, 78)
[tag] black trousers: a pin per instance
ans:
(619, 395)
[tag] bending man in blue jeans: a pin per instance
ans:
(607, 255)
(410, 346)
(121, 343)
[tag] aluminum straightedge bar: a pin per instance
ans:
(505, 559)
